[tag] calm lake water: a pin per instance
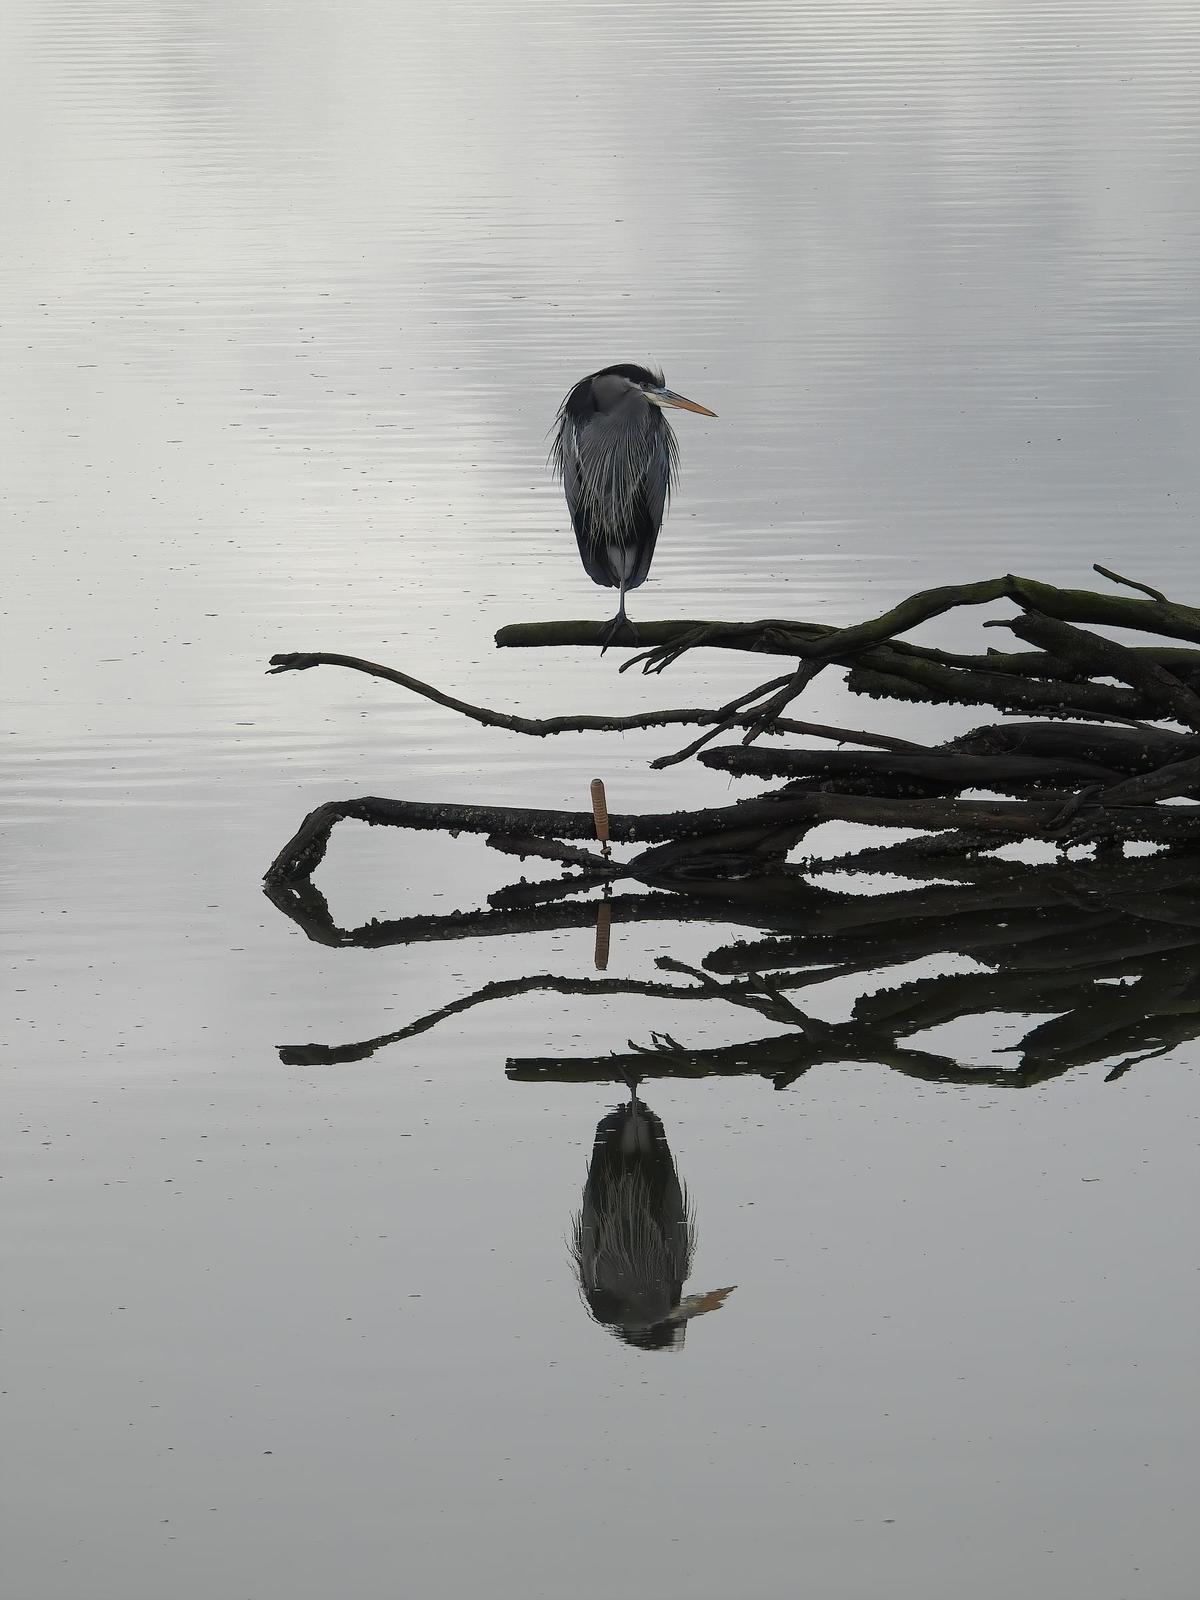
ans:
(288, 298)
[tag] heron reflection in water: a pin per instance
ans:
(635, 1234)
(617, 457)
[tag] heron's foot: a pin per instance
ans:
(619, 628)
(661, 1044)
(661, 656)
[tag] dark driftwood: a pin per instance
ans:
(793, 810)
(1105, 951)
(868, 647)
(536, 727)
(893, 773)
(1099, 767)
(1090, 653)
(784, 637)
(944, 686)
(302, 853)
(1125, 750)
(881, 672)
(1181, 777)
(543, 727)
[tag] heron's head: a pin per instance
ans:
(605, 390)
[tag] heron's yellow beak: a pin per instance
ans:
(668, 397)
(695, 1305)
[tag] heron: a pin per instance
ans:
(635, 1234)
(617, 457)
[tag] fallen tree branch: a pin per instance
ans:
(1130, 749)
(1182, 777)
(914, 680)
(1110, 780)
(540, 727)
(794, 808)
(1105, 657)
(847, 645)
(537, 727)
(780, 636)
(1130, 583)
(899, 773)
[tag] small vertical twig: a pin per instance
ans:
(600, 814)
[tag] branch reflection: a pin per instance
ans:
(1100, 956)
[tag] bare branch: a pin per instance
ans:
(1130, 583)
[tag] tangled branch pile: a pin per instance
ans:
(1108, 749)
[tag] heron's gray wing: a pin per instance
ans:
(617, 470)
(578, 474)
(657, 478)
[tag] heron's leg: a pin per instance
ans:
(618, 624)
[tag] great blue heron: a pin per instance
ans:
(617, 457)
(635, 1233)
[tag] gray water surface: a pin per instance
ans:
(288, 298)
